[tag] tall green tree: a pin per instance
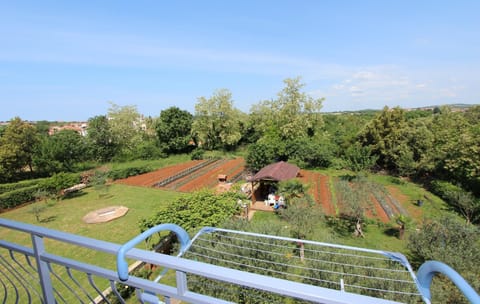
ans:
(260, 154)
(456, 147)
(359, 158)
(289, 127)
(217, 123)
(60, 152)
(127, 128)
(100, 139)
(174, 129)
(17, 147)
(386, 137)
(293, 114)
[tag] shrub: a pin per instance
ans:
(444, 189)
(198, 154)
(15, 186)
(127, 172)
(17, 197)
(60, 181)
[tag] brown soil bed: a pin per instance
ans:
(149, 179)
(206, 177)
(210, 178)
(379, 212)
(319, 189)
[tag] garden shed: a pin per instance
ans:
(269, 176)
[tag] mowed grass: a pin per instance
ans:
(154, 164)
(66, 215)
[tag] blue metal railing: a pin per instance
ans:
(35, 275)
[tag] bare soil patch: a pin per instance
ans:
(149, 179)
(319, 189)
(206, 177)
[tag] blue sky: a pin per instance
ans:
(66, 60)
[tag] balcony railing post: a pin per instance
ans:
(43, 270)
(181, 282)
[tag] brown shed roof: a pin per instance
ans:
(277, 172)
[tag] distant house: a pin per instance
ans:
(80, 127)
(271, 174)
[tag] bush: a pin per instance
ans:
(60, 181)
(444, 189)
(198, 154)
(27, 191)
(15, 186)
(17, 197)
(127, 172)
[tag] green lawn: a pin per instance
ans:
(66, 215)
(154, 164)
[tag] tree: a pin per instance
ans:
(292, 189)
(174, 129)
(100, 139)
(36, 210)
(456, 147)
(301, 211)
(355, 197)
(465, 203)
(292, 115)
(217, 123)
(359, 158)
(43, 127)
(17, 146)
(309, 153)
(259, 155)
(301, 216)
(127, 128)
(386, 137)
(289, 129)
(60, 152)
(420, 140)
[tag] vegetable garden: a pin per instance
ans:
(382, 203)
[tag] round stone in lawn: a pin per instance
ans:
(105, 214)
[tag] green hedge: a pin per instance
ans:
(126, 172)
(15, 186)
(25, 191)
(17, 197)
(60, 181)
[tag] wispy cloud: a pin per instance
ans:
(360, 86)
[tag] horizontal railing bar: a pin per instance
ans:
(62, 236)
(132, 281)
(256, 281)
(17, 248)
